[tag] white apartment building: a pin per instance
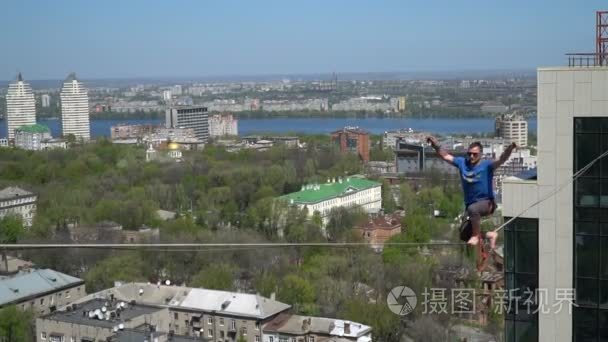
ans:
(45, 100)
(20, 106)
(222, 125)
(16, 201)
(348, 192)
(368, 103)
(563, 242)
(295, 105)
(166, 95)
(512, 128)
(194, 117)
(75, 109)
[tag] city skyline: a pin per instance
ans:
(239, 38)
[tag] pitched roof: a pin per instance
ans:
(322, 192)
(196, 299)
(34, 283)
(296, 324)
(12, 192)
(241, 304)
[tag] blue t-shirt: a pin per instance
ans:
(476, 180)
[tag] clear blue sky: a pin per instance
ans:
(132, 38)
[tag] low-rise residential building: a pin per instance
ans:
(147, 333)
(347, 192)
(41, 290)
(29, 137)
(295, 105)
(223, 125)
(98, 319)
(136, 106)
(16, 201)
(209, 314)
(36, 137)
(178, 313)
(377, 230)
(367, 103)
(296, 328)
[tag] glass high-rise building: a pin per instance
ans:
(75, 109)
(20, 106)
(560, 247)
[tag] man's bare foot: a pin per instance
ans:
(473, 241)
(492, 236)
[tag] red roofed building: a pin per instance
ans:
(379, 229)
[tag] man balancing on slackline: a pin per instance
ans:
(476, 175)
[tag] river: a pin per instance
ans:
(312, 125)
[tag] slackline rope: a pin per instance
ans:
(555, 191)
(214, 246)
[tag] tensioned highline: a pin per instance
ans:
(216, 245)
(202, 246)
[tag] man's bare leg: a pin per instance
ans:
(475, 211)
(475, 218)
(492, 236)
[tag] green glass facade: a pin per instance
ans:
(590, 317)
(521, 279)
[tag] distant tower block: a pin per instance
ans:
(601, 38)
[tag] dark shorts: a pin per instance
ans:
(475, 212)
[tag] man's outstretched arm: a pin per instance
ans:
(442, 153)
(504, 156)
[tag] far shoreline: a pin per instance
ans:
(300, 115)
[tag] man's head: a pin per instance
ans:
(474, 152)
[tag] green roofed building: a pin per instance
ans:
(341, 192)
(36, 137)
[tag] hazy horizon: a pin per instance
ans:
(346, 76)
